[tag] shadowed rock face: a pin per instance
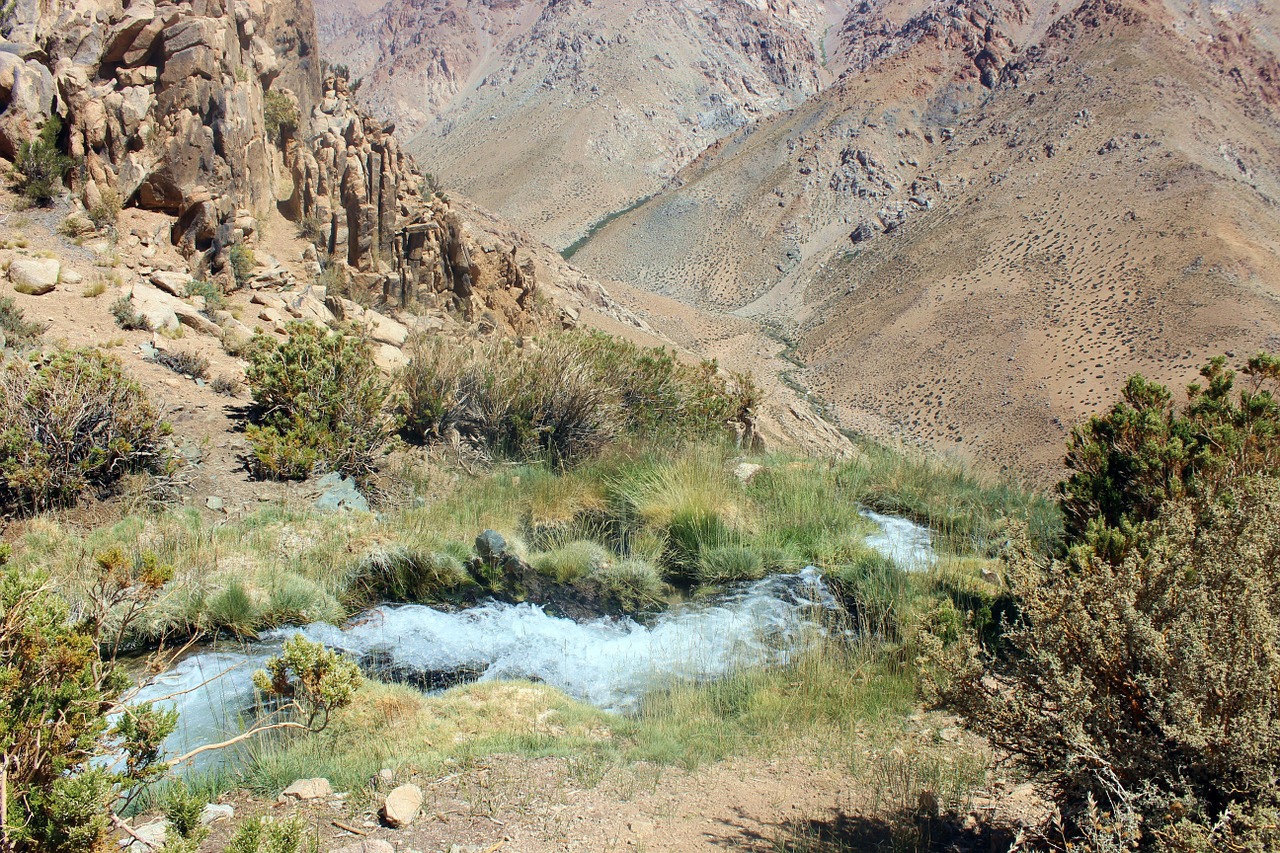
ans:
(162, 102)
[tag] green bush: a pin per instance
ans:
(319, 400)
(39, 167)
(265, 835)
(182, 809)
(280, 115)
(127, 317)
(317, 680)
(73, 422)
(1139, 681)
(58, 683)
(242, 262)
(206, 290)
(566, 397)
(17, 332)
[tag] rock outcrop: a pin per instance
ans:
(215, 113)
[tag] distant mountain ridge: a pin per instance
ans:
(561, 112)
(980, 220)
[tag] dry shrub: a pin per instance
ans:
(71, 423)
(1140, 681)
(566, 397)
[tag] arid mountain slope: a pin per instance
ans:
(977, 268)
(559, 113)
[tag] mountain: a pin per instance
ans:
(996, 215)
(561, 112)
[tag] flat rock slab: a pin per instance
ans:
(34, 276)
(402, 806)
(309, 789)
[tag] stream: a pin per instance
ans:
(608, 662)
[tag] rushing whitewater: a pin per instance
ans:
(610, 663)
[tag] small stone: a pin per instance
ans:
(152, 835)
(71, 277)
(746, 470)
(216, 503)
(386, 776)
(217, 811)
(642, 828)
(401, 806)
(309, 789)
(490, 545)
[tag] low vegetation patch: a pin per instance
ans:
(127, 316)
(1131, 681)
(565, 398)
(18, 332)
(319, 404)
(184, 362)
(73, 422)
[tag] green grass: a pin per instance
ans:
(619, 527)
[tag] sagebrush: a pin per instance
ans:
(73, 423)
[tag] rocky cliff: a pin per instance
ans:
(216, 113)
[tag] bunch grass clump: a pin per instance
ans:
(565, 398)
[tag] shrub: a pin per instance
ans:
(524, 405)
(182, 808)
(318, 680)
(227, 386)
(206, 290)
(264, 835)
(242, 261)
(184, 362)
(39, 167)
(319, 400)
(1139, 682)
(280, 115)
(71, 423)
(14, 328)
(567, 397)
(127, 317)
(1126, 464)
(59, 682)
(105, 213)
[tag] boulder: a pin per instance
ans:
(34, 276)
(402, 806)
(152, 835)
(173, 283)
(217, 811)
(340, 493)
(309, 789)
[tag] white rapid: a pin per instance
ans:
(608, 662)
(908, 544)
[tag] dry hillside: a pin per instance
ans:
(994, 217)
(560, 113)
